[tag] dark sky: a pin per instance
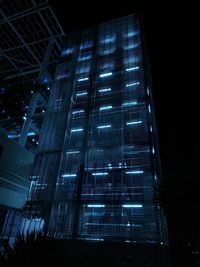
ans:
(168, 34)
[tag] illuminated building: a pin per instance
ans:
(98, 159)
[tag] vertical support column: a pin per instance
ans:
(45, 62)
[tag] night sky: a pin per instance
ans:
(167, 36)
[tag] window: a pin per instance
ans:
(67, 51)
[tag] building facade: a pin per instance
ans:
(16, 164)
(97, 160)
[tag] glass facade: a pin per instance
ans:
(97, 159)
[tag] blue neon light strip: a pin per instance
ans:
(105, 74)
(73, 152)
(18, 135)
(76, 130)
(134, 172)
(78, 111)
(96, 206)
(132, 103)
(104, 90)
(83, 79)
(132, 206)
(80, 94)
(133, 68)
(105, 108)
(132, 84)
(133, 122)
(99, 173)
(104, 126)
(69, 175)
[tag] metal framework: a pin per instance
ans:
(26, 28)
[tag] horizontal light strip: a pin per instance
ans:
(133, 122)
(133, 68)
(83, 79)
(104, 126)
(78, 111)
(105, 108)
(13, 136)
(76, 130)
(134, 172)
(132, 84)
(111, 194)
(18, 135)
(132, 206)
(130, 103)
(99, 173)
(80, 94)
(73, 152)
(96, 206)
(93, 239)
(105, 74)
(69, 175)
(115, 224)
(130, 34)
(104, 90)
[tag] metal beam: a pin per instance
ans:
(45, 61)
(23, 14)
(32, 43)
(20, 37)
(48, 29)
(21, 74)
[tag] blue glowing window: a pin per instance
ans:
(130, 46)
(67, 51)
(106, 51)
(106, 65)
(107, 39)
(85, 56)
(131, 60)
(83, 69)
(87, 44)
(132, 33)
